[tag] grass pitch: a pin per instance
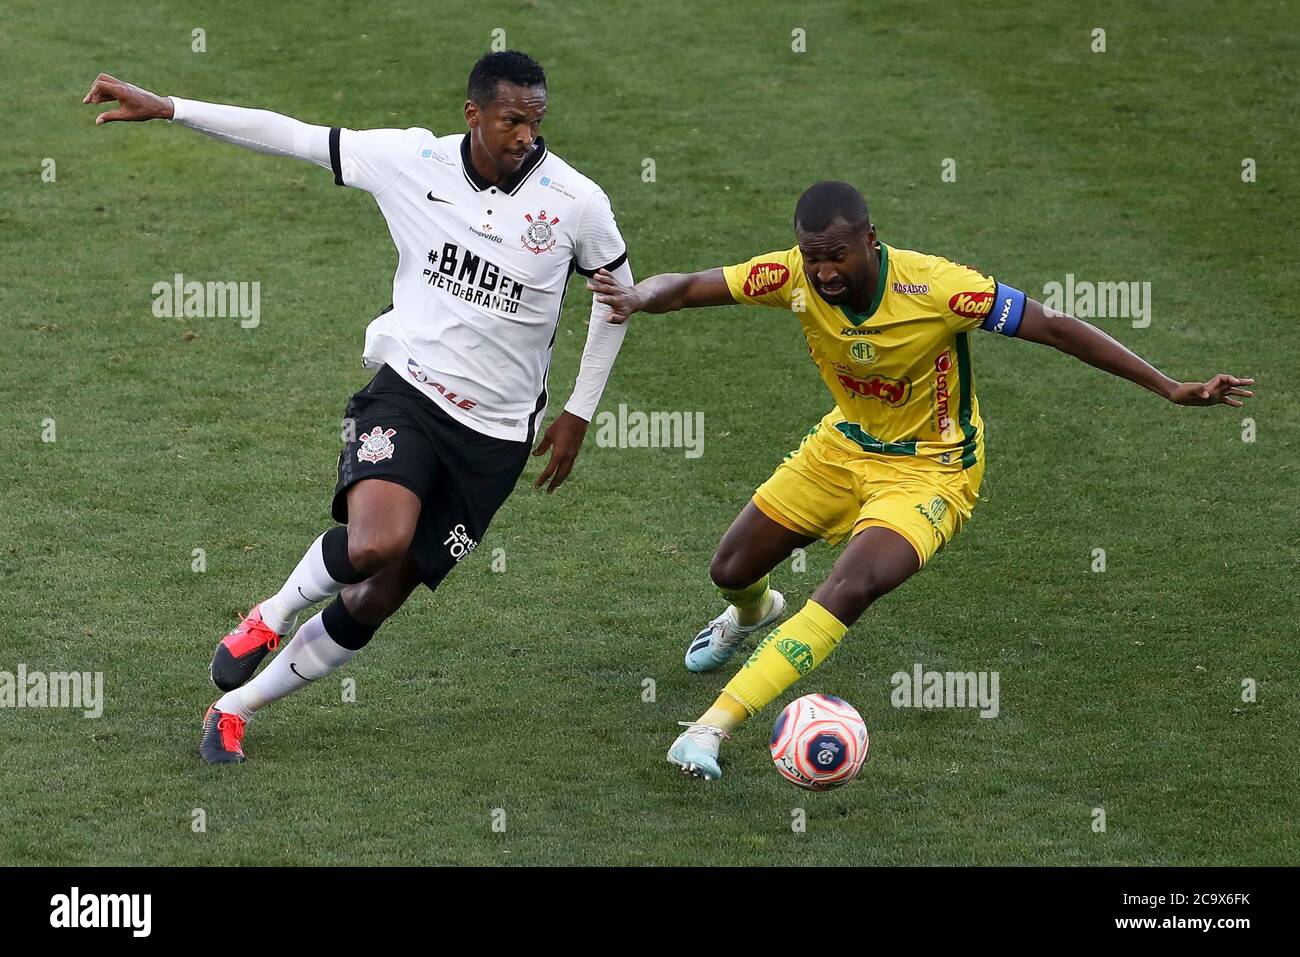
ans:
(523, 690)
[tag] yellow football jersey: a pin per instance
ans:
(900, 373)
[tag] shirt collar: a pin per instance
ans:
(881, 280)
(512, 182)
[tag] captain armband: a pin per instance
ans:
(1008, 309)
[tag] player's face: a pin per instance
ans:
(838, 261)
(506, 128)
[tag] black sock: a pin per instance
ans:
(346, 631)
(334, 551)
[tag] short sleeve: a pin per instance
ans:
(599, 244)
(961, 295)
(372, 159)
(765, 280)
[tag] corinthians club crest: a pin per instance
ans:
(538, 236)
(377, 445)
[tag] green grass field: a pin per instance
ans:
(522, 690)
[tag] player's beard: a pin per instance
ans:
(839, 295)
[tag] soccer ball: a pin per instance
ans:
(819, 742)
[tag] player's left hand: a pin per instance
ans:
(1221, 390)
(622, 300)
(134, 103)
(564, 439)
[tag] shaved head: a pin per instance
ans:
(837, 243)
(823, 203)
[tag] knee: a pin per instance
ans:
(372, 551)
(728, 572)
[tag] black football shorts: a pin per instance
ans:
(461, 476)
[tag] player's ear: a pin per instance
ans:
(471, 113)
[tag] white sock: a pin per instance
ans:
(312, 654)
(308, 584)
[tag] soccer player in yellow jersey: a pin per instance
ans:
(895, 467)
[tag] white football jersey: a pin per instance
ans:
(482, 268)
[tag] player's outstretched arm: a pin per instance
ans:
(1088, 343)
(134, 104)
(259, 130)
(666, 292)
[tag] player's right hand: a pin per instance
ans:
(1221, 390)
(622, 300)
(134, 104)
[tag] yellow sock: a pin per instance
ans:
(726, 713)
(750, 602)
(788, 653)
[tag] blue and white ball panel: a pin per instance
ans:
(819, 742)
(781, 721)
(825, 753)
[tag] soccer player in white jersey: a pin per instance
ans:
(489, 226)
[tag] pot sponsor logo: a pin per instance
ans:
(892, 392)
(764, 278)
(971, 305)
(911, 288)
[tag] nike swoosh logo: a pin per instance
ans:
(305, 598)
(438, 199)
(299, 673)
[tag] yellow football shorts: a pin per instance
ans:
(829, 488)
